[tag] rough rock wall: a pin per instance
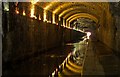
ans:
(109, 32)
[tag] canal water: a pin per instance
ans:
(45, 64)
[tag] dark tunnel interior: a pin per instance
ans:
(60, 39)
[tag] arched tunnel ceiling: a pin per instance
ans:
(75, 11)
(67, 9)
(52, 5)
(56, 6)
(84, 15)
(76, 8)
(65, 6)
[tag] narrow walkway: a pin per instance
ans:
(107, 58)
(92, 65)
(100, 60)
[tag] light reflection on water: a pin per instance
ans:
(46, 63)
(76, 56)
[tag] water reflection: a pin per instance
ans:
(66, 60)
(73, 63)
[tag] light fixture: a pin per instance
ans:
(24, 13)
(88, 35)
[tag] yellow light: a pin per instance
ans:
(59, 18)
(34, 1)
(24, 13)
(45, 16)
(53, 73)
(63, 22)
(6, 6)
(48, 21)
(32, 12)
(55, 11)
(58, 8)
(33, 8)
(73, 69)
(74, 65)
(53, 18)
(48, 6)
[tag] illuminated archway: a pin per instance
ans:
(79, 15)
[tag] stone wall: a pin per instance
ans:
(117, 35)
(115, 11)
(26, 36)
(109, 33)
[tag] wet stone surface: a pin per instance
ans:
(41, 64)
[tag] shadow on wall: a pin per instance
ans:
(27, 36)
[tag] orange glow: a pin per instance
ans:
(17, 10)
(16, 3)
(39, 17)
(56, 23)
(24, 12)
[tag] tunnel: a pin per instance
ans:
(60, 39)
